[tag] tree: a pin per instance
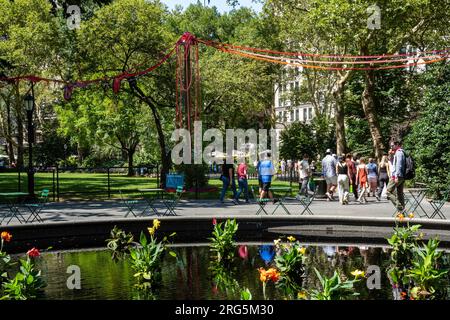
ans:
(341, 27)
(296, 140)
(429, 140)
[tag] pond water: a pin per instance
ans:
(189, 277)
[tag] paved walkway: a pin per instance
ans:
(111, 210)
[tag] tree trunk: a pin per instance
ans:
(368, 103)
(130, 154)
(165, 156)
(339, 117)
(19, 121)
(10, 147)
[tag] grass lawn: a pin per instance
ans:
(94, 186)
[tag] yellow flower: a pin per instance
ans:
(358, 273)
(302, 250)
(421, 236)
(156, 223)
(151, 230)
(411, 215)
(400, 217)
(291, 238)
(276, 242)
(301, 295)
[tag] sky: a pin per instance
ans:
(220, 4)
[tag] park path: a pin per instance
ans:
(71, 211)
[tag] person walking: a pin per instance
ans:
(227, 178)
(372, 170)
(343, 180)
(361, 179)
(384, 174)
(304, 173)
(266, 171)
(242, 180)
(396, 183)
(352, 168)
(329, 173)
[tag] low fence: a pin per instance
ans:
(72, 182)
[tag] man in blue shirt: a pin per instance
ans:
(266, 171)
(397, 181)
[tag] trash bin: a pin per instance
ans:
(321, 183)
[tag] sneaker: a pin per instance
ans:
(378, 197)
(235, 201)
(329, 196)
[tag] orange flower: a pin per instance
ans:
(270, 274)
(262, 274)
(6, 236)
(400, 217)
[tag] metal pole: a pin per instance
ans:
(30, 146)
(18, 182)
(57, 182)
(53, 184)
(109, 185)
(157, 175)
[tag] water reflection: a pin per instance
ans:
(190, 276)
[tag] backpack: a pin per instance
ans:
(410, 169)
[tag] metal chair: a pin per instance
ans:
(172, 202)
(261, 202)
(437, 204)
(306, 201)
(131, 204)
(37, 207)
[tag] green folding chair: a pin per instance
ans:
(437, 204)
(173, 201)
(306, 201)
(37, 207)
(131, 204)
(261, 203)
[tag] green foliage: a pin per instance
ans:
(290, 262)
(120, 243)
(296, 140)
(222, 244)
(403, 242)
(429, 281)
(26, 284)
(194, 175)
(146, 258)
(333, 288)
(431, 148)
(246, 294)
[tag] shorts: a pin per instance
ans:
(260, 183)
(331, 180)
(266, 186)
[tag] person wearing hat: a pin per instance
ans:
(329, 173)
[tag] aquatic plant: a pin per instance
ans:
(222, 244)
(120, 243)
(334, 288)
(28, 282)
(290, 261)
(146, 258)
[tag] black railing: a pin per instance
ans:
(61, 184)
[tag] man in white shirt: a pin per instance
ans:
(304, 173)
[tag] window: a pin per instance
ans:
(297, 114)
(292, 86)
(310, 113)
(296, 85)
(292, 116)
(304, 114)
(280, 102)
